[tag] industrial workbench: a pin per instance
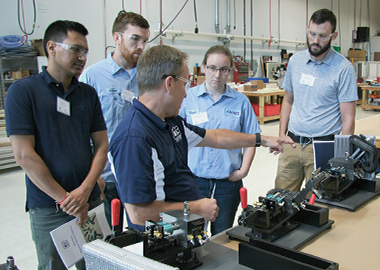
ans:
(353, 241)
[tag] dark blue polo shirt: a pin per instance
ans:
(149, 157)
(62, 141)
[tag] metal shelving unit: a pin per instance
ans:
(7, 65)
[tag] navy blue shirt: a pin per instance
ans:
(62, 141)
(149, 157)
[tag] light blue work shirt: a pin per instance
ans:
(231, 111)
(318, 89)
(115, 87)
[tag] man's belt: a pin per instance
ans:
(306, 140)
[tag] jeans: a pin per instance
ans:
(111, 193)
(227, 197)
(44, 220)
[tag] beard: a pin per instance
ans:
(321, 50)
(130, 56)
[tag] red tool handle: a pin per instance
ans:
(243, 197)
(115, 212)
(312, 199)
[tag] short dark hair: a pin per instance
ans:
(218, 49)
(157, 61)
(57, 31)
(324, 15)
(124, 18)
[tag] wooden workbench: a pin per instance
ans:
(261, 94)
(369, 126)
(365, 90)
(353, 241)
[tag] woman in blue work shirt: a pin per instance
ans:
(212, 105)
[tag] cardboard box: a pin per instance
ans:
(357, 53)
(258, 83)
(269, 109)
(38, 45)
(376, 56)
(249, 87)
(197, 71)
(200, 79)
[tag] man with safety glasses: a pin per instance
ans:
(114, 78)
(51, 120)
(319, 101)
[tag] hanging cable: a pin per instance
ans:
(24, 39)
(122, 4)
(196, 20)
(161, 32)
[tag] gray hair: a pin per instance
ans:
(158, 61)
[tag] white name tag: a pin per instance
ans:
(307, 79)
(127, 95)
(199, 118)
(63, 106)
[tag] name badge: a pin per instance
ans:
(307, 80)
(63, 106)
(199, 118)
(127, 95)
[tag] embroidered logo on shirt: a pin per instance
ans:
(188, 112)
(232, 112)
(114, 90)
(176, 134)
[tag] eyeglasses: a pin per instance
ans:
(222, 70)
(321, 37)
(78, 50)
(135, 39)
(188, 82)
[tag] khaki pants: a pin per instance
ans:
(294, 165)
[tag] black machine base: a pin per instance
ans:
(366, 191)
(295, 239)
(262, 255)
(293, 233)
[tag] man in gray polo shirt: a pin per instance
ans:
(319, 100)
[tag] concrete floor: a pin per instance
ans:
(15, 237)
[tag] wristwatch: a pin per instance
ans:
(258, 140)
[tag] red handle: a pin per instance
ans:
(243, 197)
(312, 199)
(115, 212)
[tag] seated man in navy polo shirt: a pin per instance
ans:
(149, 149)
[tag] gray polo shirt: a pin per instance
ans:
(318, 89)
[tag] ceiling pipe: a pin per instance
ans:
(360, 13)
(217, 16)
(279, 23)
(228, 26)
(105, 27)
(244, 32)
(161, 24)
(368, 13)
(251, 35)
(339, 33)
(182, 34)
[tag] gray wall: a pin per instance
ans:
(98, 16)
